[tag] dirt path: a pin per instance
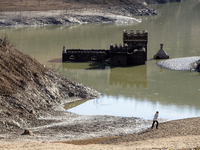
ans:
(180, 142)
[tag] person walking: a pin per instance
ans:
(155, 120)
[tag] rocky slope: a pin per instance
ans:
(44, 5)
(73, 17)
(29, 90)
(23, 13)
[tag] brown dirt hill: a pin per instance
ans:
(29, 90)
(30, 5)
(17, 69)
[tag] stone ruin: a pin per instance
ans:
(161, 54)
(132, 52)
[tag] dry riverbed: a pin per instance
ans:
(180, 142)
(115, 14)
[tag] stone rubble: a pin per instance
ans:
(184, 63)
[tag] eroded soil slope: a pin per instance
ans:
(38, 5)
(29, 90)
(30, 5)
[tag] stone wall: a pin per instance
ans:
(118, 60)
(132, 52)
(79, 55)
(137, 57)
(136, 39)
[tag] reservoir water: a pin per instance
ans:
(136, 91)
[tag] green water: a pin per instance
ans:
(136, 91)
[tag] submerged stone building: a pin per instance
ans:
(132, 52)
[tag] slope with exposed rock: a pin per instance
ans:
(29, 90)
(44, 5)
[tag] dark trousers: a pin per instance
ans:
(154, 123)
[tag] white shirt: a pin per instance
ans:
(155, 117)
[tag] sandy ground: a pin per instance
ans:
(180, 142)
(177, 134)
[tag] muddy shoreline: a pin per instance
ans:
(115, 14)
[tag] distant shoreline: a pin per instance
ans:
(47, 13)
(115, 14)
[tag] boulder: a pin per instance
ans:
(27, 132)
(198, 65)
(195, 66)
(161, 54)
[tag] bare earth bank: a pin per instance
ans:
(115, 14)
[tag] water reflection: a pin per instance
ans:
(74, 104)
(125, 77)
(129, 76)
